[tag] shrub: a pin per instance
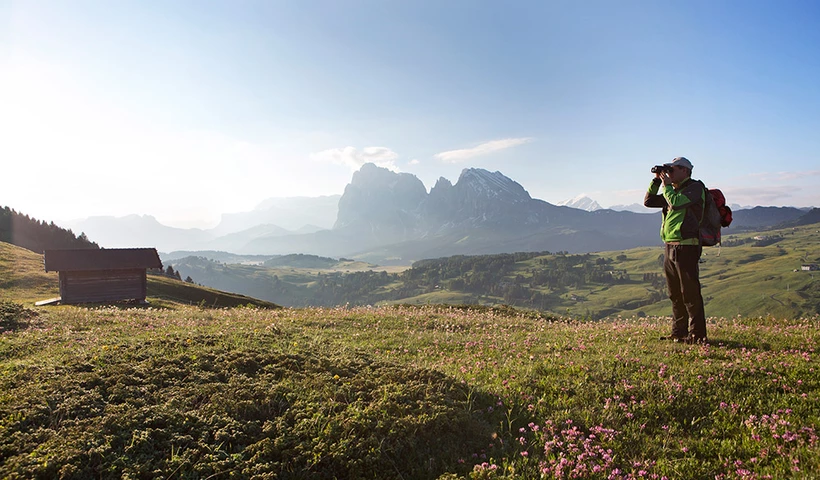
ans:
(12, 315)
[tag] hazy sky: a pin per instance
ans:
(189, 109)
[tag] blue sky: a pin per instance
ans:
(187, 110)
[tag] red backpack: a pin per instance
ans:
(716, 214)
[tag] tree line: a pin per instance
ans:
(539, 286)
(36, 235)
(170, 273)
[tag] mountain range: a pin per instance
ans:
(390, 218)
(583, 202)
(275, 216)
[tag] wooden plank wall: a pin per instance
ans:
(102, 285)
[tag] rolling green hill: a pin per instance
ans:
(23, 278)
(755, 273)
(299, 260)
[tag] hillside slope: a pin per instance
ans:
(23, 276)
(23, 279)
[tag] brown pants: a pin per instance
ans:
(682, 277)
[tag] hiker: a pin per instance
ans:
(682, 201)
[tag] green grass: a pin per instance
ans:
(437, 297)
(23, 276)
(183, 391)
(162, 290)
(401, 392)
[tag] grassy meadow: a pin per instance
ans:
(400, 392)
(181, 391)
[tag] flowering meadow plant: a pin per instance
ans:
(403, 392)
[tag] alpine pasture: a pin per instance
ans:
(423, 392)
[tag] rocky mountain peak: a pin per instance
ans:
(582, 202)
(442, 183)
(492, 185)
(371, 175)
(380, 197)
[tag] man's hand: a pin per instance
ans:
(665, 178)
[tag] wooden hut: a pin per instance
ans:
(105, 275)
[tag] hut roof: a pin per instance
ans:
(103, 259)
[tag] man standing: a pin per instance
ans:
(682, 201)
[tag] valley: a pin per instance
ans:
(594, 285)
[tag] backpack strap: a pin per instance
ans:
(703, 201)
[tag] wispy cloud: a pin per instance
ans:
(776, 188)
(763, 195)
(353, 158)
(455, 156)
(784, 176)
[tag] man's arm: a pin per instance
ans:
(683, 199)
(652, 199)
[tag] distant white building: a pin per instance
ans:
(809, 267)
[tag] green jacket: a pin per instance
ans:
(682, 209)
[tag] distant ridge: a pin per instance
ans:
(290, 213)
(811, 217)
(582, 202)
(634, 208)
(758, 217)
